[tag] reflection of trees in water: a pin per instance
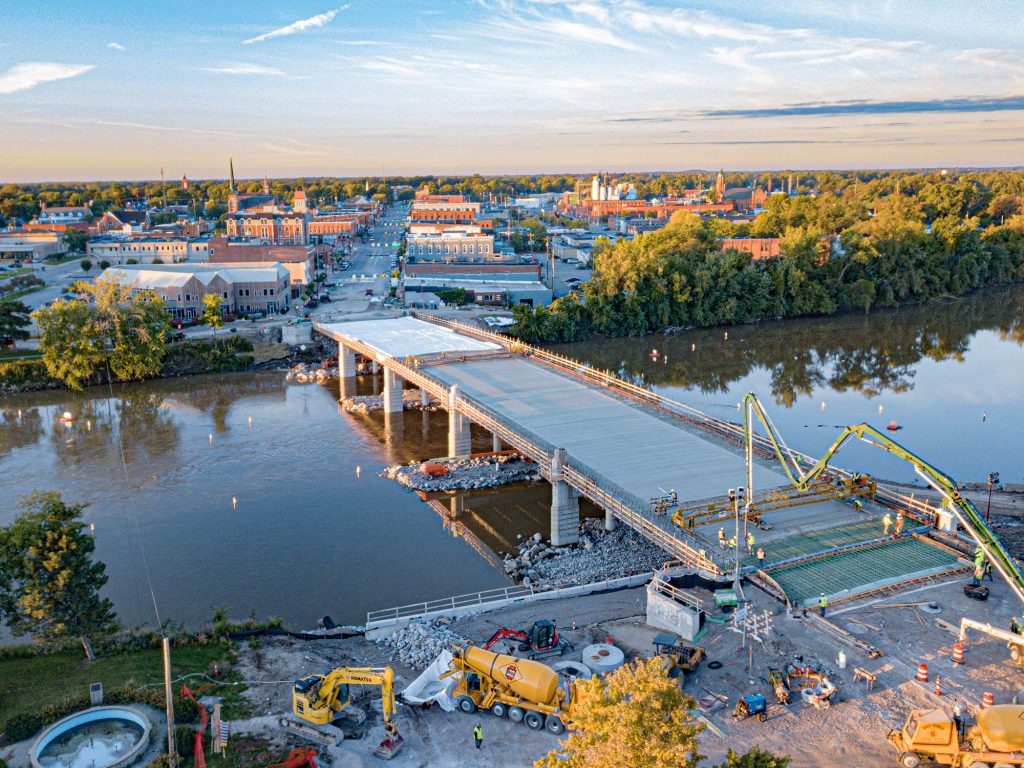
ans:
(145, 425)
(18, 431)
(87, 439)
(215, 395)
(868, 354)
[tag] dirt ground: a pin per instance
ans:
(850, 732)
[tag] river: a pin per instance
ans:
(314, 531)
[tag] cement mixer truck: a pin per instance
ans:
(525, 690)
(996, 740)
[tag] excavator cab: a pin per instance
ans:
(309, 702)
(542, 636)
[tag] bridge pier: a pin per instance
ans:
(610, 523)
(373, 367)
(460, 441)
(392, 391)
(495, 443)
(565, 504)
(346, 361)
(424, 398)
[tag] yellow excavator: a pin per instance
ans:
(324, 700)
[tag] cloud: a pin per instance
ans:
(993, 58)
(867, 107)
(116, 47)
(246, 69)
(301, 25)
(21, 77)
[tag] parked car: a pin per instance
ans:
(312, 303)
(369, 292)
(324, 298)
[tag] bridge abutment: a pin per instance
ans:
(565, 504)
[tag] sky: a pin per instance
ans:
(116, 90)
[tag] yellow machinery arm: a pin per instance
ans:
(966, 513)
(329, 689)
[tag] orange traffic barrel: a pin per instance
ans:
(922, 673)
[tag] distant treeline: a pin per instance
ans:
(885, 242)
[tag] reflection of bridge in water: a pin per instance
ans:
(596, 436)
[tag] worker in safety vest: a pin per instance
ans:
(858, 504)
(988, 571)
(721, 537)
(979, 556)
(887, 523)
(478, 735)
(750, 543)
(822, 604)
(979, 574)
(760, 557)
(732, 542)
(899, 524)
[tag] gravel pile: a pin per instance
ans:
(417, 644)
(311, 372)
(600, 555)
(467, 474)
(411, 401)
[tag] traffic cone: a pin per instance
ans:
(958, 653)
(938, 685)
(987, 700)
(922, 673)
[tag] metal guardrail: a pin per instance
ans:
(449, 603)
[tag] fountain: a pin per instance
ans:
(100, 737)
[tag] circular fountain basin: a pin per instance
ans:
(100, 737)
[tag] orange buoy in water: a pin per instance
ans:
(894, 427)
(66, 418)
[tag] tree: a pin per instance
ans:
(212, 315)
(49, 583)
(113, 330)
(457, 296)
(14, 319)
(636, 716)
(104, 264)
(76, 239)
(755, 757)
(85, 264)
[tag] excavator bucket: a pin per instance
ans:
(390, 747)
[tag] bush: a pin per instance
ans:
(85, 264)
(104, 264)
(134, 261)
(21, 727)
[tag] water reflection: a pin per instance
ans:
(869, 355)
(19, 428)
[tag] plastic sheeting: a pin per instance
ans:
(430, 688)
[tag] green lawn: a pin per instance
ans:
(26, 685)
(15, 354)
(22, 292)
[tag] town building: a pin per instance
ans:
(242, 287)
(269, 228)
(299, 260)
(452, 245)
(169, 249)
(760, 248)
(63, 214)
(126, 222)
(31, 246)
(333, 228)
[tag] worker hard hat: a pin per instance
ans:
(822, 594)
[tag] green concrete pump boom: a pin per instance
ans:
(966, 513)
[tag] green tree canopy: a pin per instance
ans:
(49, 583)
(14, 319)
(110, 329)
(212, 315)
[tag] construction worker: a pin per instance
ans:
(979, 556)
(988, 571)
(750, 543)
(732, 542)
(958, 719)
(979, 574)
(822, 604)
(858, 504)
(760, 557)
(899, 524)
(887, 522)
(478, 735)
(721, 538)
(703, 553)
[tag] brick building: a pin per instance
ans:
(269, 228)
(299, 260)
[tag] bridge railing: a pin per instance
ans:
(449, 603)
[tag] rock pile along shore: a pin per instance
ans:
(467, 474)
(411, 401)
(600, 555)
(417, 644)
(305, 373)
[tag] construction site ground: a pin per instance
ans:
(851, 732)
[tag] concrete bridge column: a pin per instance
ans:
(346, 361)
(459, 440)
(610, 523)
(424, 398)
(392, 391)
(565, 504)
(374, 369)
(495, 443)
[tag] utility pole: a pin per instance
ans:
(993, 479)
(163, 187)
(736, 495)
(550, 252)
(171, 759)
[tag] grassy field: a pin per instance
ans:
(17, 354)
(23, 292)
(26, 685)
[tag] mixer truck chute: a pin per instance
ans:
(522, 689)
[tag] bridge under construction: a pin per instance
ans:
(652, 463)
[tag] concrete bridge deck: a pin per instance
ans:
(587, 437)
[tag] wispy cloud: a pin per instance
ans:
(321, 19)
(116, 47)
(246, 69)
(392, 66)
(869, 107)
(993, 58)
(21, 77)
